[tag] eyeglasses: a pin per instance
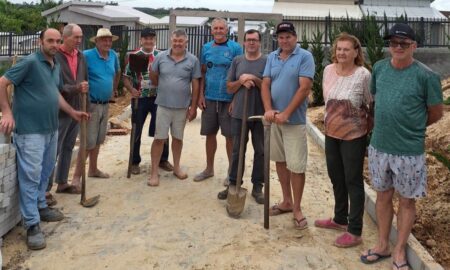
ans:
(251, 40)
(403, 45)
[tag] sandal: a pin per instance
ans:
(70, 189)
(203, 176)
(300, 224)
(275, 210)
(99, 174)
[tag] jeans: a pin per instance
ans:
(145, 106)
(257, 131)
(67, 136)
(345, 160)
(36, 155)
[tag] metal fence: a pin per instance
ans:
(430, 33)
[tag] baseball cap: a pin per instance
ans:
(148, 32)
(401, 30)
(285, 27)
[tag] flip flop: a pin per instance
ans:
(275, 210)
(379, 257)
(300, 224)
(400, 265)
(71, 189)
(180, 176)
(99, 174)
(202, 176)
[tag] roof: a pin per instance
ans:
(411, 12)
(316, 10)
(186, 21)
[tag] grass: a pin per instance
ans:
(447, 101)
(441, 158)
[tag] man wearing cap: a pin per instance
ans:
(287, 82)
(214, 101)
(37, 81)
(177, 73)
(408, 98)
(146, 96)
(104, 75)
(74, 76)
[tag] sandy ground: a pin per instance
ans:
(181, 224)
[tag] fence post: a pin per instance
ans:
(327, 28)
(422, 32)
(10, 37)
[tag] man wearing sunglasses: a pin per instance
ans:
(408, 98)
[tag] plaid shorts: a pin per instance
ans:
(406, 174)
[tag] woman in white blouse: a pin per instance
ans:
(347, 99)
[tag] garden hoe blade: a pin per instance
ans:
(94, 200)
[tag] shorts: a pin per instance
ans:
(166, 118)
(288, 143)
(97, 124)
(214, 116)
(406, 174)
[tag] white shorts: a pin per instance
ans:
(173, 119)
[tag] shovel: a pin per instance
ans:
(267, 126)
(94, 200)
(236, 194)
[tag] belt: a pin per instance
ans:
(99, 102)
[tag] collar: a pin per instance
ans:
(141, 50)
(220, 44)
(100, 56)
(42, 58)
(62, 48)
(295, 51)
(169, 54)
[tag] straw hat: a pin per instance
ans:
(104, 32)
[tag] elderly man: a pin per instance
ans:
(245, 75)
(74, 76)
(36, 104)
(142, 88)
(104, 74)
(175, 71)
(408, 98)
(287, 81)
(214, 100)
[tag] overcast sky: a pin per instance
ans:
(229, 5)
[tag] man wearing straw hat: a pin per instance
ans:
(104, 74)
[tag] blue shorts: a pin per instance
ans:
(406, 174)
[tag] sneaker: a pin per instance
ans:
(35, 238)
(135, 169)
(166, 166)
(223, 194)
(50, 214)
(347, 239)
(258, 194)
(329, 224)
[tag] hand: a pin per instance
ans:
(249, 84)
(83, 87)
(191, 113)
(201, 102)
(281, 118)
(7, 123)
(245, 77)
(78, 115)
(270, 115)
(135, 93)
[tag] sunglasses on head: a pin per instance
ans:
(402, 44)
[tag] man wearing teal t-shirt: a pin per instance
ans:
(408, 98)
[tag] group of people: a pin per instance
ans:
(397, 101)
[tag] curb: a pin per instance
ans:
(417, 256)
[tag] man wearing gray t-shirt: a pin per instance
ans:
(245, 74)
(174, 71)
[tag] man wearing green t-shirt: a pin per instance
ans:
(408, 98)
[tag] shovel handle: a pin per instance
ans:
(240, 170)
(83, 128)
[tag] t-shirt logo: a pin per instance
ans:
(209, 64)
(226, 54)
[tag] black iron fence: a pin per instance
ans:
(430, 33)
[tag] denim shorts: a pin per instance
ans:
(406, 174)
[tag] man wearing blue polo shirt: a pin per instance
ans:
(287, 81)
(104, 75)
(35, 123)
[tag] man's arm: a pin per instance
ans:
(266, 98)
(192, 113)
(201, 95)
(300, 96)
(7, 122)
(64, 106)
(116, 82)
(154, 77)
(128, 85)
(435, 113)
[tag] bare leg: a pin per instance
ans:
(157, 149)
(76, 180)
(405, 221)
(285, 181)
(298, 184)
(211, 147)
(93, 157)
(385, 213)
(177, 146)
(229, 148)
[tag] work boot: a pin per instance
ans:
(223, 194)
(35, 238)
(135, 169)
(258, 194)
(50, 215)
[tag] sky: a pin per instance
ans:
(228, 5)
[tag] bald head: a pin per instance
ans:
(72, 36)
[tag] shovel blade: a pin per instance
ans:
(236, 201)
(90, 202)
